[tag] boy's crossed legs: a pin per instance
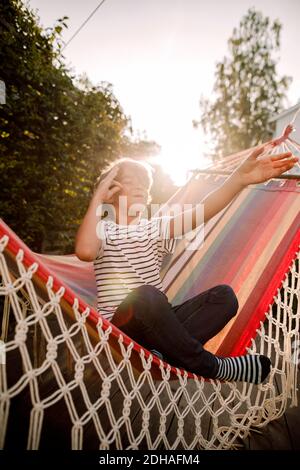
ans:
(180, 331)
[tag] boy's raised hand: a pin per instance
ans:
(108, 186)
(258, 168)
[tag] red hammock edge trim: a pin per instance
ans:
(270, 292)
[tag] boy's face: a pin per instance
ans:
(135, 185)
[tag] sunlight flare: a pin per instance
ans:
(178, 160)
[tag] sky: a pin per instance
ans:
(160, 56)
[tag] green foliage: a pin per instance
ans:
(139, 148)
(55, 133)
(247, 88)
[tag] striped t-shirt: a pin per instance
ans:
(130, 256)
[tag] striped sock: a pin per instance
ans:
(249, 368)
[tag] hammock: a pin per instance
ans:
(72, 379)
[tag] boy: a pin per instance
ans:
(128, 251)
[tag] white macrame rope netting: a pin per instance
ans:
(105, 403)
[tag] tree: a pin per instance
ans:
(55, 133)
(247, 88)
(139, 148)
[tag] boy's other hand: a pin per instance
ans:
(258, 167)
(108, 187)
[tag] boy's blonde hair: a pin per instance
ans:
(142, 167)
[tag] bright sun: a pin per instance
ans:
(178, 160)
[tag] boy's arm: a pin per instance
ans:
(88, 243)
(252, 170)
(213, 203)
(216, 200)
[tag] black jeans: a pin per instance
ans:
(178, 332)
